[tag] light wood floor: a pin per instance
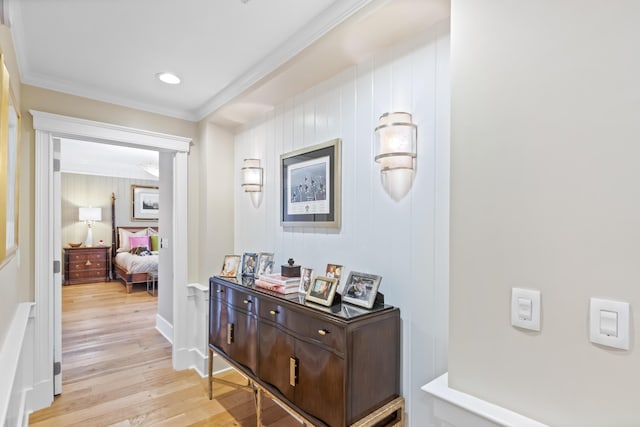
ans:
(116, 370)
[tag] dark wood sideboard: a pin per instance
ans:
(335, 365)
(86, 265)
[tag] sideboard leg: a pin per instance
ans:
(210, 374)
(258, 395)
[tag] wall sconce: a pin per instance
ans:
(89, 215)
(252, 180)
(395, 151)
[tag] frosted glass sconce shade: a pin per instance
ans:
(395, 150)
(252, 180)
(251, 175)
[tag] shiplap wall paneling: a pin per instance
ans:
(406, 241)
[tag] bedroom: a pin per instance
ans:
(90, 174)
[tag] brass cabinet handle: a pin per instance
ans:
(229, 333)
(293, 366)
(273, 312)
(220, 291)
(247, 301)
(88, 263)
(323, 332)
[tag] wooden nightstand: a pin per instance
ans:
(86, 265)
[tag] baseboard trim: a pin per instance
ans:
(16, 356)
(165, 328)
(455, 408)
(40, 396)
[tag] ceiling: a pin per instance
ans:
(92, 158)
(236, 58)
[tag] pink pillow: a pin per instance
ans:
(134, 242)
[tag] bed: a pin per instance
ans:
(128, 267)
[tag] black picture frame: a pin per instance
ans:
(311, 186)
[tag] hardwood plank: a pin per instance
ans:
(116, 371)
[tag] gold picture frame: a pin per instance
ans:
(9, 168)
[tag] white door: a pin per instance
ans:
(57, 276)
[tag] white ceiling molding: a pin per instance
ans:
(325, 22)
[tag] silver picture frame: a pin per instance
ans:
(361, 289)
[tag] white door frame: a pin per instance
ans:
(47, 126)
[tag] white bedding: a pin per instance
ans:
(137, 264)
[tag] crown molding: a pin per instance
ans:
(321, 25)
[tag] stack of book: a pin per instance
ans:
(278, 283)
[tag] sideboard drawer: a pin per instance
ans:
(315, 329)
(234, 297)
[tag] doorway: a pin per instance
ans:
(174, 149)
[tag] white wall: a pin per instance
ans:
(544, 187)
(406, 241)
(165, 266)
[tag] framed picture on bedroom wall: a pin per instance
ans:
(145, 202)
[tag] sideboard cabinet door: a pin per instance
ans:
(275, 351)
(234, 332)
(320, 390)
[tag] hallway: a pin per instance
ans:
(116, 370)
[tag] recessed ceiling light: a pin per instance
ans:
(168, 78)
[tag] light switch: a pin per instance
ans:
(609, 323)
(525, 308)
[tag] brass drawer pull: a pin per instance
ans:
(220, 291)
(293, 367)
(323, 332)
(247, 301)
(273, 312)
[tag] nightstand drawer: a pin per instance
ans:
(87, 256)
(88, 265)
(88, 276)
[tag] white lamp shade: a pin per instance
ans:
(90, 214)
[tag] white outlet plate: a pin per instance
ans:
(600, 311)
(526, 320)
